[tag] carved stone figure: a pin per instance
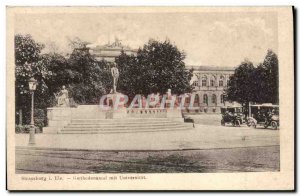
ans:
(115, 75)
(62, 98)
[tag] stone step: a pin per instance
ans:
(97, 131)
(124, 127)
(123, 124)
(90, 126)
(121, 120)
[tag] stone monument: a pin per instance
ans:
(115, 75)
(173, 112)
(60, 115)
(117, 110)
(65, 119)
(62, 98)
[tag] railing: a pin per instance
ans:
(146, 113)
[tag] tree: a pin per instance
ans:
(241, 87)
(130, 73)
(267, 75)
(88, 81)
(27, 61)
(260, 84)
(157, 67)
(59, 70)
(85, 78)
(27, 51)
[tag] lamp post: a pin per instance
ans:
(32, 86)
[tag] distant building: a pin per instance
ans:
(209, 84)
(109, 51)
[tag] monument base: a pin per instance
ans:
(58, 118)
(174, 115)
(115, 103)
(61, 119)
(52, 130)
(119, 113)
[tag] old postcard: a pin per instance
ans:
(150, 98)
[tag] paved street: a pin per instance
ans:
(200, 137)
(216, 160)
(205, 148)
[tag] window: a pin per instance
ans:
(196, 100)
(204, 81)
(221, 81)
(205, 99)
(213, 81)
(214, 99)
(195, 83)
(222, 98)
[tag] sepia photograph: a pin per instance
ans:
(115, 98)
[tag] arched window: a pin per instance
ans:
(214, 99)
(222, 98)
(213, 81)
(204, 81)
(205, 99)
(221, 81)
(195, 83)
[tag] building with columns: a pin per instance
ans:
(209, 84)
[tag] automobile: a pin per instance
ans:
(188, 119)
(233, 115)
(266, 115)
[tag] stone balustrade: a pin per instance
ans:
(146, 113)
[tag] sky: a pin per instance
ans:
(215, 39)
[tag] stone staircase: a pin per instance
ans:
(129, 125)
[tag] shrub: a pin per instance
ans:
(26, 129)
(40, 118)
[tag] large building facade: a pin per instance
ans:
(209, 84)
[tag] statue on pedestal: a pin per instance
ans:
(62, 98)
(115, 74)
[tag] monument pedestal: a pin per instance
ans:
(58, 118)
(174, 115)
(67, 119)
(115, 102)
(119, 113)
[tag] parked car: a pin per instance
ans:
(233, 115)
(188, 119)
(266, 115)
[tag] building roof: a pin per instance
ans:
(115, 46)
(210, 68)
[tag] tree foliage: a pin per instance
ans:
(239, 83)
(88, 83)
(267, 73)
(157, 67)
(28, 64)
(255, 84)
(85, 78)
